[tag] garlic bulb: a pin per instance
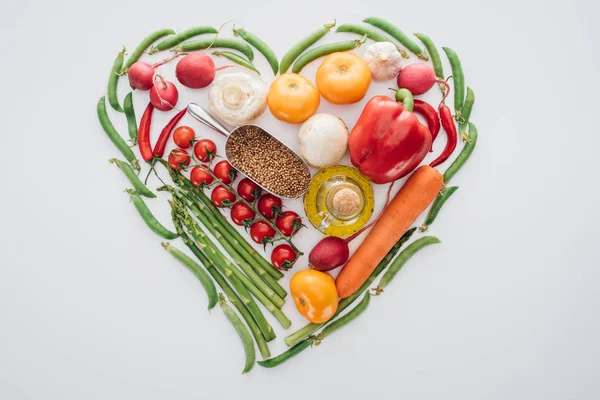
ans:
(323, 140)
(383, 60)
(237, 98)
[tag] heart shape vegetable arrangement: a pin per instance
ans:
(388, 142)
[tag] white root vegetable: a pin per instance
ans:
(383, 60)
(237, 98)
(323, 140)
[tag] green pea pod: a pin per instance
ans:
(113, 80)
(371, 34)
(397, 34)
(464, 155)
(181, 36)
(434, 54)
(344, 320)
(259, 45)
(148, 218)
(297, 49)
(399, 262)
(324, 50)
(133, 178)
(144, 44)
(466, 113)
(459, 81)
(213, 43)
(440, 200)
(286, 355)
(236, 59)
(242, 331)
(130, 115)
(113, 135)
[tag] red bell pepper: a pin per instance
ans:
(388, 141)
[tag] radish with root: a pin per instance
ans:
(197, 70)
(419, 78)
(164, 94)
(141, 74)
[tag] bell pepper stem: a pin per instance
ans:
(405, 97)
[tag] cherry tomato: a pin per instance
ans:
(289, 222)
(183, 136)
(221, 196)
(315, 295)
(199, 176)
(178, 159)
(268, 205)
(260, 232)
(205, 150)
(283, 256)
(248, 190)
(240, 212)
(224, 171)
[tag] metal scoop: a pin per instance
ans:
(207, 119)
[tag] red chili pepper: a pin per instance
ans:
(144, 134)
(450, 128)
(165, 134)
(431, 117)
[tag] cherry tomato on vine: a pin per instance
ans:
(178, 159)
(183, 136)
(241, 212)
(261, 232)
(224, 171)
(268, 205)
(289, 223)
(221, 196)
(248, 190)
(283, 256)
(199, 176)
(205, 149)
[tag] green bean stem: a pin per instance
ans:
(459, 81)
(466, 114)
(197, 270)
(371, 34)
(113, 135)
(180, 37)
(439, 201)
(324, 50)
(236, 59)
(297, 49)
(241, 330)
(203, 44)
(133, 178)
(399, 262)
(434, 54)
(130, 115)
(286, 355)
(311, 328)
(397, 34)
(144, 44)
(113, 80)
(247, 308)
(344, 320)
(464, 154)
(259, 45)
(148, 218)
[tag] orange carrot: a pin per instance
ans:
(415, 196)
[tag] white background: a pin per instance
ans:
(91, 307)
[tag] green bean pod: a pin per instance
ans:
(113, 80)
(259, 45)
(181, 36)
(399, 262)
(434, 54)
(236, 59)
(242, 331)
(113, 135)
(144, 44)
(466, 114)
(148, 218)
(463, 155)
(344, 320)
(207, 283)
(130, 115)
(297, 49)
(371, 34)
(286, 355)
(459, 82)
(133, 178)
(203, 44)
(397, 34)
(439, 201)
(324, 50)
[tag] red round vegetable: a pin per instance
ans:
(205, 150)
(240, 212)
(268, 205)
(248, 190)
(418, 78)
(261, 232)
(141, 75)
(222, 197)
(328, 254)
(224, 171)
(183, 136)
(178, 159)
(289, 223)
(196, 70)
(164, 94)
(283, 257)
(199, 176)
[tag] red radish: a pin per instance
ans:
(419, 78)
(141, 74)
(197, 70)
(164, 94)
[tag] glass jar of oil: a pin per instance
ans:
(339, 201)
